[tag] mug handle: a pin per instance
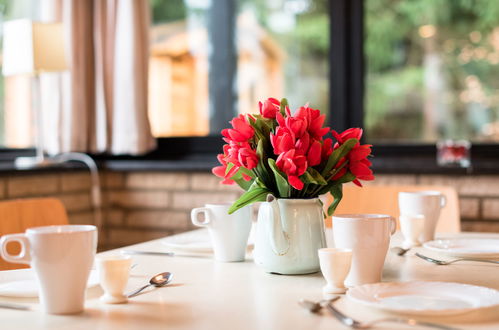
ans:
(443, 201)
(195, 217)
(24, 256)
(393, 225)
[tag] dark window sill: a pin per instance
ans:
(381, 165)
(199, 155)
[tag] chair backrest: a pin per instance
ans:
(384, 199)
(18, 215)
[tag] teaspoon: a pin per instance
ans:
(399, 251)
(159, 280)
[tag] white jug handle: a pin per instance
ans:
(24, 256)
(195, 216)
(443, 201)
(393, 222)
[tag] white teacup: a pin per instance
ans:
(62, 257)
(229, 232)
(428, 203)
(368, 235)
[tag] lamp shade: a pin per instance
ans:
(32, 47)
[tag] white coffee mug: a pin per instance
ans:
(428, 203)
(229, 232)
(368, 235)
(61, 257)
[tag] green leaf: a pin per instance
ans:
(318, 178)
(337, 192)
(282, 109)
(244, 184)
(345, 178)
(282, 183)
(253, 195)
(338, 154)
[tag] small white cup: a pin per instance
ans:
(368, 235)
(335, 264)
(114, 271)
(411, 227)
(428, 203)
(229, 232)
(62, 257)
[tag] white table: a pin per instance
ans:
(211, 295)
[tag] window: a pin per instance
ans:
(213, 59)
(432, 70)
(16, 122)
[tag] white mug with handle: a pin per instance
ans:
(428, 203)
(368, 236)
(229, 232)
(61, 257)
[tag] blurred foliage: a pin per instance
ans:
(164, 11)
(395, 52)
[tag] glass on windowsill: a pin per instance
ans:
(453, 153)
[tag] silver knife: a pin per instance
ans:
(151, 253)
(15, 306)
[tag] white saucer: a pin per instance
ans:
(21, 283)
(424, 297)
(465, 247)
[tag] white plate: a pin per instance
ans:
(21, 283)
(189, 243)
(195, 242)
(465, 247)
(424, 297)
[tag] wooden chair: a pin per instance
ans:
(18, 215)
(384, 199)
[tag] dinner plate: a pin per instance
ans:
(194, 242)
(424, 297)
(189, 243)
(22, 283)
(465, 247)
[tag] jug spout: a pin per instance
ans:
(279, 240)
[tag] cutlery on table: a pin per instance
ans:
(151, 253)
(448, 262)
(15, 306)
(399, 250)
(315, 307)
(159, 280)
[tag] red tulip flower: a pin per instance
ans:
(293, 166)
(315, 121)
(241, 131)
(248, 158)
(269, 108)
(282, 141)
(220, 170)
(314, 153)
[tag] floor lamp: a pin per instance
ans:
(32, 48)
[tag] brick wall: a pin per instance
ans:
(140, 206)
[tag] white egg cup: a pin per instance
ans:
(114, 271)
(335, 264)
(411, 227)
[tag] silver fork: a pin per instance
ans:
(442, 262)
(314, 307)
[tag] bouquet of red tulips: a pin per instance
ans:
(287, 155)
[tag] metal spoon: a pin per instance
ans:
(399, 251)
(159, 280)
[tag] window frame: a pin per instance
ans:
(346, 108)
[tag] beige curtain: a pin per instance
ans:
(100, 105)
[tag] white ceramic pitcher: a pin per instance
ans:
(288, 234)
